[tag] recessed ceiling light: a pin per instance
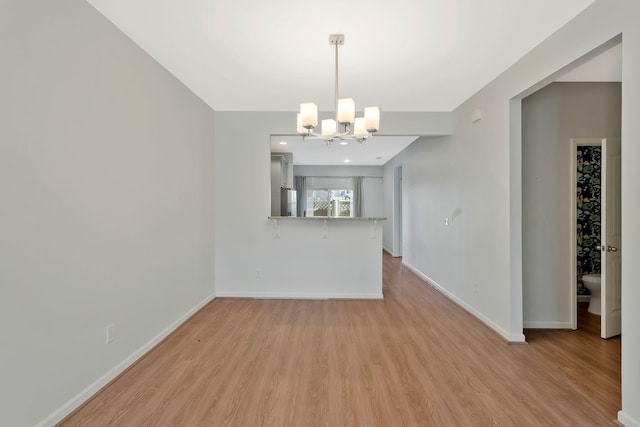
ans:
(343, 142)
(378, 158)
(283, 142)
(347, 161)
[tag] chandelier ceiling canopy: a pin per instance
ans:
(339, 128)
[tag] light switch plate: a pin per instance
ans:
(111, 333)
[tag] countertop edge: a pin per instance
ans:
(330, 218)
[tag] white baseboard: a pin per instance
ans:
(548, 325)
(93, 388)
(390, 252)
(627, 420)
(517, 339)
(513, 338)
(297, 295)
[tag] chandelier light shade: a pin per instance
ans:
(309, 115)
(346, 110)
(345, 115)
(372, 118)
(329, 127)
(359, 128)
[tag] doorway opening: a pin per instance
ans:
(549, 309)
(551, 117)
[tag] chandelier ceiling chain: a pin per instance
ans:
(363, 127)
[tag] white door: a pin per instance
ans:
(611, 284)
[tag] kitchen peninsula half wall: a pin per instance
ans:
(324, 258)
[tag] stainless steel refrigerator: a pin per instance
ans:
(288, 204)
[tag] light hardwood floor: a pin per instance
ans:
(412, 359)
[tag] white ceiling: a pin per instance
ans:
(403, 55)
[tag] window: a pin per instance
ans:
(330, 202)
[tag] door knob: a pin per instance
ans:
(612, 249)
(600, 248)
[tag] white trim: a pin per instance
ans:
(548, 325)
(516, 300)
(75, 402)
(514, 338)
(297, 295)
(390, 252)
(627, 420)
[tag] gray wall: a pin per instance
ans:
(459, 180)
(550, 118)
(77, 253)
(482, 182)
(245, 237)
(106, 185)
(500, 133)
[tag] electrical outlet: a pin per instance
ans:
(111, 333)
(446, 221)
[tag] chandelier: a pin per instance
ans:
(340, 127)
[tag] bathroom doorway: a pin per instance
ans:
(596, 230)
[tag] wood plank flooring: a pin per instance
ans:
(412, 359)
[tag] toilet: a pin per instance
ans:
(592, 282)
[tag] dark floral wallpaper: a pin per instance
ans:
(588, 209)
